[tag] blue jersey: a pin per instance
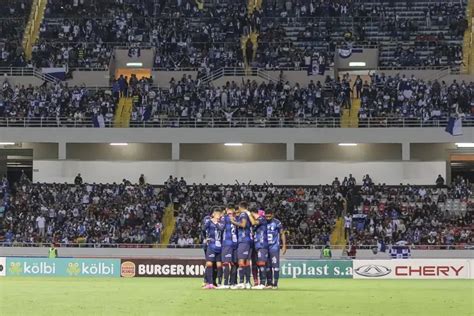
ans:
(214, 235)
(244, 233)
(230, 232)
(274, 229)
(205, 220)
(261, 235)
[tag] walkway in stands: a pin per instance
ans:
(123, 112)
(32, 29)
(169, 224)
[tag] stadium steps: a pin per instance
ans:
(350, 118)
(468, 52)
(337, 235)
(169, 224)
(32, 28)
(124, 110)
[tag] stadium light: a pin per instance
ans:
(357, 64)
(233, 144)
(348, 144)
(134, 64)
(6, 143)
(118, 144)
(465, 145)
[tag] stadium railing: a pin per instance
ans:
(256, 122)
(198, 246)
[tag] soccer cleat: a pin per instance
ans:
(258, 287)
(239, 286)
(268, 287)
(248, 286)
(274, 287)
(209, 287)
(222, 287)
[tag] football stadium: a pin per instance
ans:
(258, 157)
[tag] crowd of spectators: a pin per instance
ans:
(132, 213)
(393, 98)
(70, 106)
(416, 215)
(83, 213)
(13, 18)
(389, 99)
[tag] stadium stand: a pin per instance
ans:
(384, 102)
(133, 214)
(13, 17)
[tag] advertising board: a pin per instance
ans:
(412, 269)
(62, 267)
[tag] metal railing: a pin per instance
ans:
(254, 122)
(27, 71)
(199, 246)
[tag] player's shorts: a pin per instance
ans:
(262, 255)
(229, 254)
(243, 251)
(274, 258)
(213, 256)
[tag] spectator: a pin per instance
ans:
(78, 179)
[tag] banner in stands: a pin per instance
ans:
(412, 269)
(2, 266)
(316, 269)
(62, 267)
(162, 268)
(56, 72)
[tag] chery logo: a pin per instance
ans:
(372, 270)
(428, 270)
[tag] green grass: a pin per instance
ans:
(165, 296)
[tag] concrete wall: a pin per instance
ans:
(90, 78)
(219, 152)
(430, 152)
(241, 135)
(135, 151)
(362, 152)
(21, 80)
(42, 150)
(197, 253)
(368, 55)
(162, 78)
(285, 173)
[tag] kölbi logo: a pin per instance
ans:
(373, 270)
(32, 268)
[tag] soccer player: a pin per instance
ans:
(229, 249)
(204, 238)
(258, 220)
(214, 229)
(276, 234)
(243, 246)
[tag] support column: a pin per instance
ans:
(405, 151)
(290, 151)
(175, 151)
(62, 151)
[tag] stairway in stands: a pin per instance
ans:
(337, 237)
(169, 224)
(32, 28)
(350, 118)
(468, 42)
(123, 112)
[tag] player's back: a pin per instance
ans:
(274, 228)
(244, 232)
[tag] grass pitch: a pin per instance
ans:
(165, 296)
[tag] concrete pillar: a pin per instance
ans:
(175, 151)
(405, 151)
(62, 151)
(290, 151)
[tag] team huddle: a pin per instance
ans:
(238, 244)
